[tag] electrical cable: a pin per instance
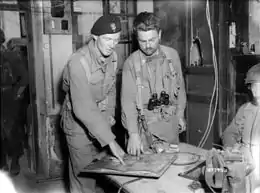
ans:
(214, 144)
(193, 161)
(128, 182)
(191, 27)
(216, 73)
(210, 120)
(213, 191)
(215, 89)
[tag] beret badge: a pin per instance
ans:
(113, 27)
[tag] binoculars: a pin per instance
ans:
(155, 102)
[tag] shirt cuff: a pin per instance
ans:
(106, 139)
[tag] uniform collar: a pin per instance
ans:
(100, 62)
(159, 54)
(250, 107)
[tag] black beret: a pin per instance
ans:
(108, 24)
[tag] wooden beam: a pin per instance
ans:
(21, 7)
(9, 7)
(187, 26)
(105, 7)
(223, 58)
(36, 69)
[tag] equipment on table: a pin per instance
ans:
(224, 170)
(186, 158)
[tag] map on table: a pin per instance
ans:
(147, 165)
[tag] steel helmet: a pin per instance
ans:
(253, 74)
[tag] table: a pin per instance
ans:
(169, 182)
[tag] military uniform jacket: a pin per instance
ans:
(244, 130)
(14, 69)
(160, 79)
(84, 94)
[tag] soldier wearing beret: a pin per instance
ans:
(88, 109)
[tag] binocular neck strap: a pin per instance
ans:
(139, 102)
(152, 86)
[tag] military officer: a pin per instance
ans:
(243, 133)
(152, 83)
(88, 109)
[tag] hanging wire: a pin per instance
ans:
(216, 86)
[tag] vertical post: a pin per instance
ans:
(223, 61)
(187, 51)
(105, 7)
(36, 69)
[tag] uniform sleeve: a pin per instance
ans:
(84, 106)
(128, 99)
(182, 99)
(231, 134)
(18, 68)
(22, 74)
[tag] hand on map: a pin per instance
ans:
(134, 146)
(117, 151)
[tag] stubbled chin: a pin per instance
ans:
(149, 53)
(108, 53)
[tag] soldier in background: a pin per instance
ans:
(159, 93)
(14, 82)
(243, 133)
(2, 50)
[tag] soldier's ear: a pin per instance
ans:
(95, 37)
(160, 34)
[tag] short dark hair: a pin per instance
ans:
(146, 21)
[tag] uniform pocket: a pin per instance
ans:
(168, 112)
(96, 77)
(79, 142)
(145, 92)
(70, 125)
(151, 116)
(166, 130)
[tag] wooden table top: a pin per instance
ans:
(169, 182)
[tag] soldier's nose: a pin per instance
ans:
(114, 44)
(148, 45)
